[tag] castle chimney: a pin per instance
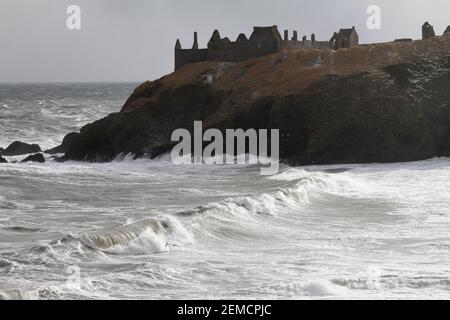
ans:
(178, 45)
(313, 38)
(295, 36)
(286, 35)
(195, 45)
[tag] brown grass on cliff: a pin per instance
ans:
(292, 71)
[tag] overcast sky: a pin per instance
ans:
(133, 40)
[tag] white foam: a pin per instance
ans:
(149, 236)
(302, 189)
(19, 294)
(316, 288)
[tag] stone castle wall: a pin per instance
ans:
(263, 41)
(187, 56)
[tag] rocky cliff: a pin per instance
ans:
(373, 103)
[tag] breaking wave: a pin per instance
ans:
(157, 235)
(19, 295)
(230, 217)
(298, 189)
(148, 236)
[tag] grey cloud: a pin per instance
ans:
(133, 40)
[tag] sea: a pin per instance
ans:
(150, 229)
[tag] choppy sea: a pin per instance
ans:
(149, 229)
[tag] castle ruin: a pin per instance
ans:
(268, 40)
(427, 31)
(263, 41)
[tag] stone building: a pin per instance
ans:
(263, 41)
(345, 38)
(427, 31)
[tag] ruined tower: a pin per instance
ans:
(427, 31)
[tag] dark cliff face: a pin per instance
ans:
(382, 103)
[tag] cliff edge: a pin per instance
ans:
(385, 102)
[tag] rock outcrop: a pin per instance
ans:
(3, 160)
(38, 157)
(373, 103)
(64, 146)
(18, 148)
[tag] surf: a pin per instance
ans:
(148, 236)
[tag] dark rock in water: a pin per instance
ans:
(39, 157)
(22, 229)
(378, 103)
(3, 160)
(18, 148)
(64, 146)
